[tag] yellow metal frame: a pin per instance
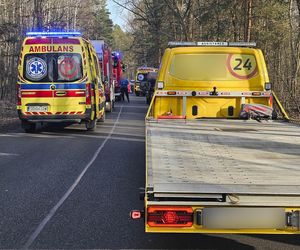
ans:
(282, 110)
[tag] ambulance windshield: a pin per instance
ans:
(53, 67)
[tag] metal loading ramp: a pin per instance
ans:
(223, 156)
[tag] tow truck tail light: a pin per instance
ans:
(170, 216)
(88, 94)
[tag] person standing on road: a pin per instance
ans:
(124, 89)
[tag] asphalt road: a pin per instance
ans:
(67, 188)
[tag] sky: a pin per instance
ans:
(118, 14)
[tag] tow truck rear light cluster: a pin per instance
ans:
(170, 216)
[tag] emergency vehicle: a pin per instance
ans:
(105, 61)
(59, 80)
(216, 160)
(117, 73)
(141, 80)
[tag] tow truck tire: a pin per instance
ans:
(29, 127)
(91, 125)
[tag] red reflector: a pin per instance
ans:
(256, 93)
(171, 92)
(135, 214)
(88, 94)
(170, 217)
(167, 117)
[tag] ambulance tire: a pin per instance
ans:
(102, 119)
(110, 106)
(29, 127)
(91, 125)
(148, 99)
(274, 115)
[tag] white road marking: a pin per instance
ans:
(21, 135)
(8, 154)
(52, 212)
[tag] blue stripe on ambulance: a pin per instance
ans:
(48, 86)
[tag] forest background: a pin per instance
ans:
(273, 24)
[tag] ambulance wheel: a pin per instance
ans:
(29, 127)
(91, 125)
(274, 115)
(102, 119)
(110, 106)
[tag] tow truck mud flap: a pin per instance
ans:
(243, 218)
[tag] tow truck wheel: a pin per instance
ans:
(29, 127)
(91, 125)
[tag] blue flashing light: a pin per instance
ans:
(53, 33)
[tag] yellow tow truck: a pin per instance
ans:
(217, 159)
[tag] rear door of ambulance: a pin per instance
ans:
(53, 72)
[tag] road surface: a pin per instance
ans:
(67, 188)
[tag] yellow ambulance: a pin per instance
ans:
(59, 80)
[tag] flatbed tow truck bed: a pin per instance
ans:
(223, 162)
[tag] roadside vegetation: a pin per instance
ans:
(273, 24)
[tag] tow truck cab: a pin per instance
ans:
(117, 73)
(211, 81)
(59, 80)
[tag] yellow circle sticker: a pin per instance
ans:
(242, 66)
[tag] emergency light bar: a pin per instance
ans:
(53, 33)
(211, 44)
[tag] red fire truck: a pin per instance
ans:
(117, 73)
(105, 60)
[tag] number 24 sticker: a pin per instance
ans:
(242, 66)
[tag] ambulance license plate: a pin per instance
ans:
(37, 108)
